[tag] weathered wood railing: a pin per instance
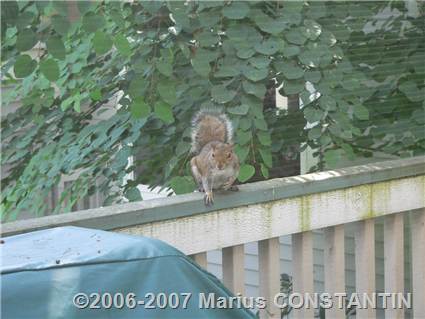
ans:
(264, 211)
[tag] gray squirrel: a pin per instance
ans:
(215, 165)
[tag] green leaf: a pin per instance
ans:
(85, 6)
(295, 36)
(221, 94)
(243, 137)
(245, 53)
(290, 70)
(93, 22)
(201, 66)
(361, 112)
(26, 40)
(164, 67)
(209, 19)
(410, 89)
(60, 24)
(313, 29)
(56, 47)
(238, 110)
(332, 157)
(50, 69)
(312, 76)
(243, 34)
(292, 87)
(327, 103)
(182, 148)
(246, 172)
(133, 194)
(257, 89)
(266, 155)
(293, 7)
(24, 19)
(269, 46)
(264, 171)
(137, 86)
(264, 138)
(167, 91)
(24, 66)
(314, 133)
(164, 112)
(122, 45)
(61, 7)
(207, 38)
(9, 11)
(256, 105)
(242, 152)
(268, 24)
(244, 123)
(77, 103)
(182, 184)
(67, 103)
(181, 18)
(260, 62)
(312, 114)
(227, 71)
(290, 50)
(96, 95)
(260, 124)
(139, 108)
(236, 10)
(102, 42)
(309, 58)
(255, 74)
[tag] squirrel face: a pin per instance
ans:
(222, 155)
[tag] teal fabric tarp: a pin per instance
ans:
(41, 272)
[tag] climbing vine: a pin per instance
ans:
(356, 67)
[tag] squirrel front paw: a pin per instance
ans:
(208, 199)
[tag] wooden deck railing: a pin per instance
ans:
(294, 206)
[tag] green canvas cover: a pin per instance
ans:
(42, 271)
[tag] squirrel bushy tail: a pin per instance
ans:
(210, 125)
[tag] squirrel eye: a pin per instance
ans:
(213, 155)
(229, 155)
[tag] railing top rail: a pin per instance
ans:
(138, 213)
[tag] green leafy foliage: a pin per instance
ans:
(50, 69)
(102, 42)
(246, 172)
(24, 66)
(159, 62)
(56, 47)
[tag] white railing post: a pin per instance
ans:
(269, 269)
(302, 271)
(365, 265)
(418, 262)
(233, 268)
(200, 259)
(394, 261)
(334, 263)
